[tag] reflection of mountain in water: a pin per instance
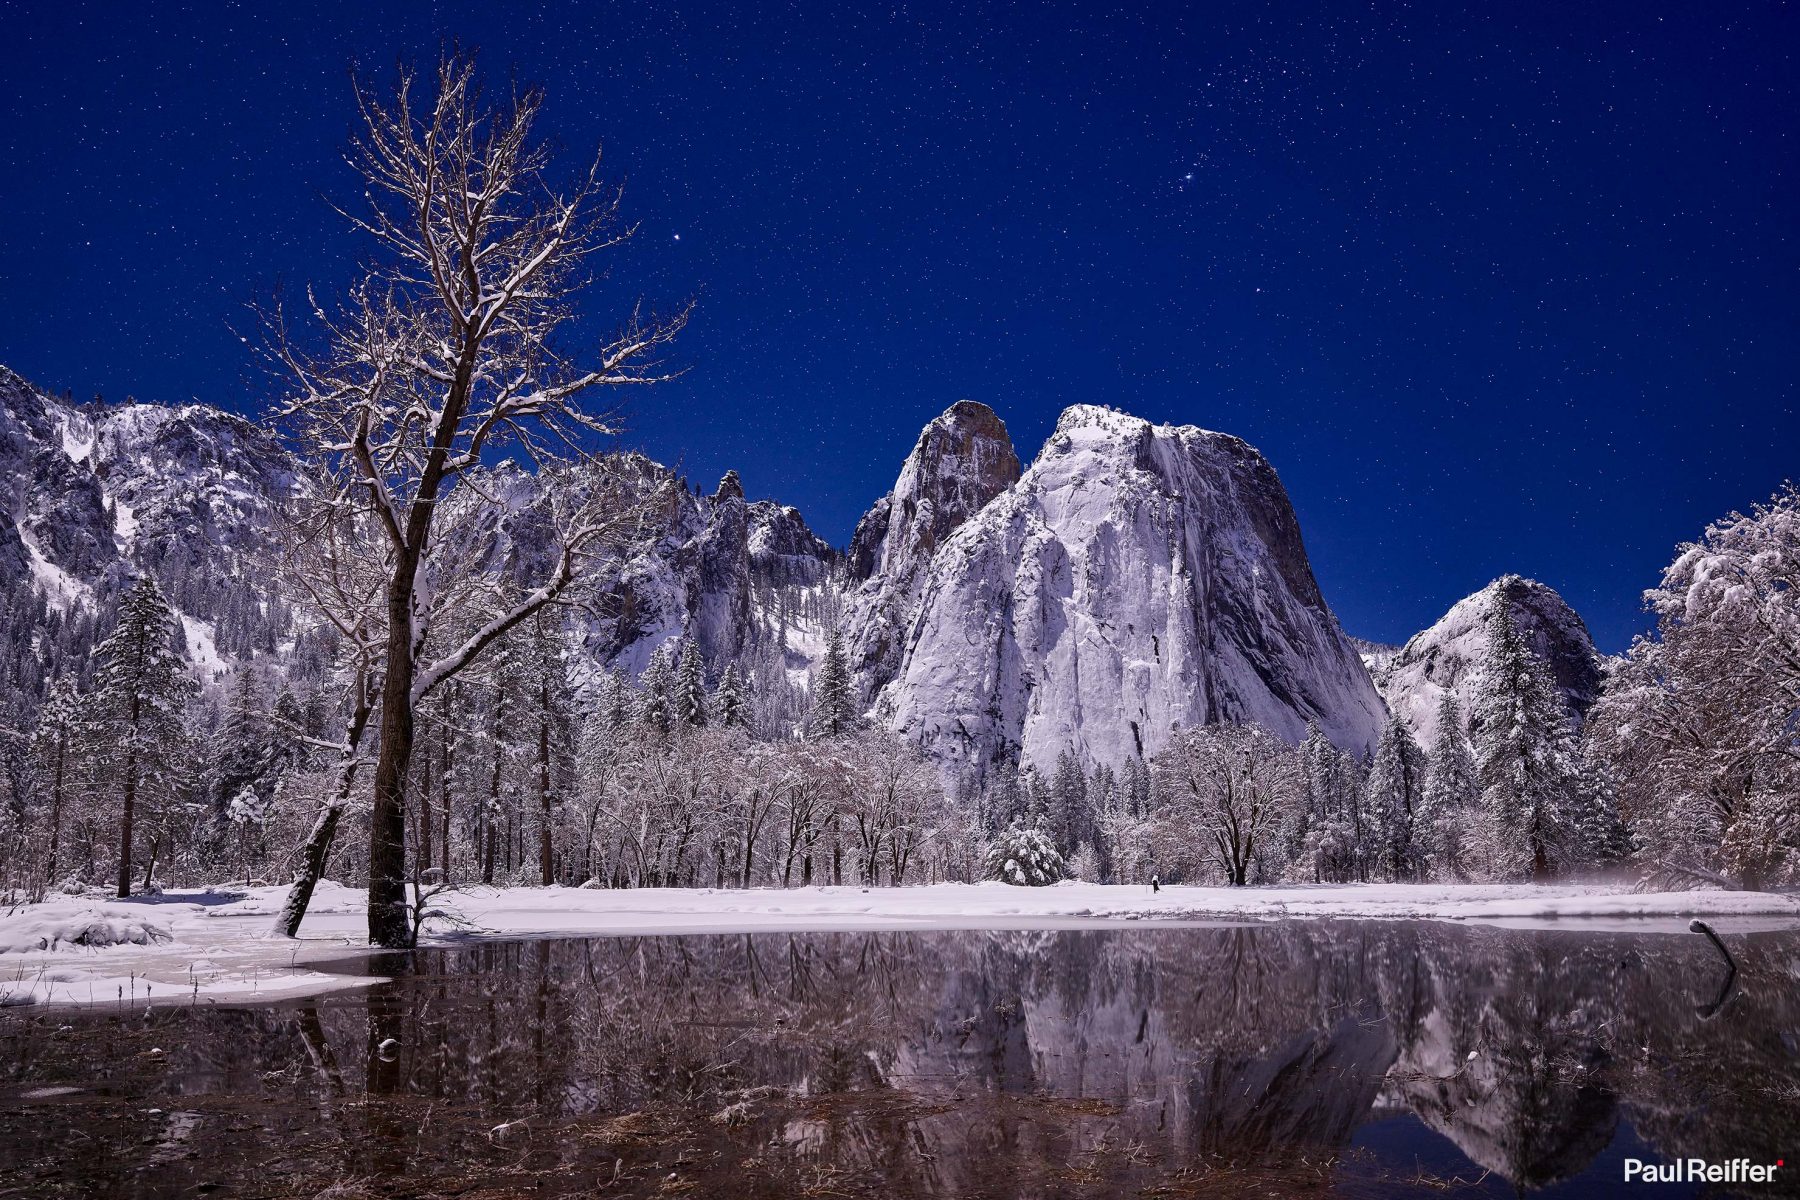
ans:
(961, 1063)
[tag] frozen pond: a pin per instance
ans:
(1310, 1058)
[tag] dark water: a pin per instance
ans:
(1322, 1058)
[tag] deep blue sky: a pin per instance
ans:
(1507, 289)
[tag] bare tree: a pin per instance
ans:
(335, 573)
(444, 353)
(1696, 728)
(1227, 784)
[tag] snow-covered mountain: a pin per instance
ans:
(963, 459)
(1447, 656)
(190, 493)
(728, 572)
(1137, 577)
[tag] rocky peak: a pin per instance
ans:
(1136, 578)
(962, 460)
(1448, 656)
(730, 488)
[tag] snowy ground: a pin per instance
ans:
(196, 947)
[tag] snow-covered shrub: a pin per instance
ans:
(63, 926)
(1024, 856)
(247, 808)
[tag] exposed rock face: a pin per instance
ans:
(1136, 578)
(92, 493)
(1447, 657)
(963, 459)
(700, 569)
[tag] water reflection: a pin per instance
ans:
(1034, 1063)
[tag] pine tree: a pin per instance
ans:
(140, 695)
(1004, 802)
(1597, 836)
(1395, 796)
(616, 703)
(1450, 795)
(1071, 820)
(729, 701)
(656, 688)
(690, 686)
(1333, 845)
(1025, 856)
(1524, 755)
(833, 709)
(53, 747)
(241, 745)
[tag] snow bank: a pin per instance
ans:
(214, 945)
(62, 922)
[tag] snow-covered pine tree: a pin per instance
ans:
(1003, 801)
(1025, 857)
(690, 686)
(1596, 834)
(1450, 795)
(834, 705)
(1037, 799)
(1524, 756)
(53, 747)
(1395, 796)
(729, 701)
(1333, 848)
(656, 692)
(616, 703)
(1134, 785)
(1071, 820)
(241, 745)
(140, 696)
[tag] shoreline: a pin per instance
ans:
(212, 946)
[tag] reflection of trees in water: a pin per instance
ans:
(937, 1061)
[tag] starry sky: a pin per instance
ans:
(1504, 288)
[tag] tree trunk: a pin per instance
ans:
(56, 799)
(150, 867)
(317, 851)
(389, 926)
(545, 863)
(128, 815)
(449, 747)
(423, 855)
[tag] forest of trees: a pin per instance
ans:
(687, 775)
(394, 718)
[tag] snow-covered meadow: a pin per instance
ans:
(213, 946)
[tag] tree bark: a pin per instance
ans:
(546, 862)
(317, 851)
(388, 923)
(128, 815)
(56, 802)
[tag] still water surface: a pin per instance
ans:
(1305, 1058)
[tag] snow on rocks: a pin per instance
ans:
(962, 460)
(1448, 656)
(1135, 578)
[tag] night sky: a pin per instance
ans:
(1510, 289)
